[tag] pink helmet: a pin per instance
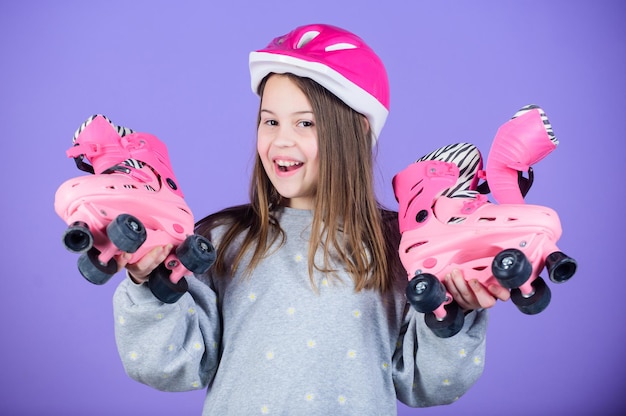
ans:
(336, 59)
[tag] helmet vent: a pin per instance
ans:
(307, 37)
(339, 47)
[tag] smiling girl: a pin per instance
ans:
(304, 310)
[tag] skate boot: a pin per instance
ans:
(518, 144)
(131, 203)
(505, 244)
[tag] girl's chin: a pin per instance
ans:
(300, 204)
(297, 202)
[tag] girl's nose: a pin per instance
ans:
(284, 137)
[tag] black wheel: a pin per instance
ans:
(127, 233)
(162, 287)
(537, 302)
(511, 268)
(94, 271)
(196, 253)
(77, 238)
(425, 293)
(560, 267)
(450, 325)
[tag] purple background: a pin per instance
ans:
(457, 69)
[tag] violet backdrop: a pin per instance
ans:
(458, 69)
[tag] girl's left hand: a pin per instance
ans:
(472, 294)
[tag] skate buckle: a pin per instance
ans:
(473, 204)
(139, 175)
(132, 142)
(87, 149)
(439, 169)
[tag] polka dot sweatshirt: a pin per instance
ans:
(268, 344)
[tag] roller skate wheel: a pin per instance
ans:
(127, 233)
(196, 253)
(425, 293)
(78, 238)
(511, 267)
(93, 270)
(450, 325)
(162, 287)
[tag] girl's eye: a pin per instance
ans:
(306, 123)
(271, 122)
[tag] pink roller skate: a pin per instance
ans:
(446, 224)
(132, 203)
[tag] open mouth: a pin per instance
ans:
(287, 165)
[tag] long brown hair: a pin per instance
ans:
(347, 219)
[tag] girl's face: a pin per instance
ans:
(287, 142)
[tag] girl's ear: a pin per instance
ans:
(366, 125)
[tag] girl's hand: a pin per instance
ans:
(139, 271)
(472, 294)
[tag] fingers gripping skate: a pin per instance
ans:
(446, 224)
(132, 203)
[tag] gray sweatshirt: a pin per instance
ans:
(269, 344)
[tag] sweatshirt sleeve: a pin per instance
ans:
(429, 370)
(171, 347)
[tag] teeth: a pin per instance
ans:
(287, 163)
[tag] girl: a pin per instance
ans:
(304, 310)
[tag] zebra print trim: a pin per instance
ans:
(134, 163)
(544, 117)
(121, 130)
(467, 157)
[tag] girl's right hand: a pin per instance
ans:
(139, 271)
(472, 294)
